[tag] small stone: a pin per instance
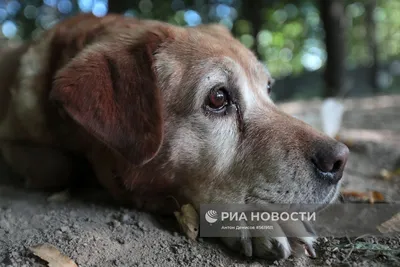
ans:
(125, 218)
(174, 249)
(58, 232)
(115, 224)
(64, 229)
(198, 256)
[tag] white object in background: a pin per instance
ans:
(331, 116)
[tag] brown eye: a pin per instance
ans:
(218, 99)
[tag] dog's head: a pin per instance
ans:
(192, 106)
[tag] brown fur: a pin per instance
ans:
(129, 96)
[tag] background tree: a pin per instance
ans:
(370, 6)
(118, 6)
(251, 11)
(334, 21)
(311, 47)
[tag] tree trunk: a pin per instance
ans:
(118, 6)
(251, 11)
(334, 21)
(370, 6)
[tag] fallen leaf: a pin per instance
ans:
(375, 196)
(388, 175)
(371, 196)
(52, 255)
(385, 174)
(62, 196)
(188, 219)
(391, 225)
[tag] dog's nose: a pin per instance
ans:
(330, 161)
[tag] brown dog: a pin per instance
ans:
(159, 111)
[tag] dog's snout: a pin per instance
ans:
(330, 161)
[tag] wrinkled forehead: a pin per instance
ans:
(197, 63)
(219, 51)
(229, 70)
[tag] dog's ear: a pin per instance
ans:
(111, 90)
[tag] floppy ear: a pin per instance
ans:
(110, 90)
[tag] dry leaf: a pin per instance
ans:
(62, 196)
(52, 255)
(375, 196)
(391, 225)
(371, 196)
(188, 219)
(388, 175)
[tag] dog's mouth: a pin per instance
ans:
(330, 198)
(320, 199)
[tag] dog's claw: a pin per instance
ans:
(276, 246)
(283, 247)
(247, 247)
(310, 251)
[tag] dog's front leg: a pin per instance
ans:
(42, 167)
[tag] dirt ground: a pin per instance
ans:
(92, 231)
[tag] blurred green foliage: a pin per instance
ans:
(290, 38)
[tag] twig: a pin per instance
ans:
(351, 250)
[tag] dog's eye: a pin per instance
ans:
(269, 87)
(217, 99)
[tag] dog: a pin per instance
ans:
(156, 111)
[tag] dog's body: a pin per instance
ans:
(159, 111)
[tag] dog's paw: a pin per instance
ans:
(280, 242)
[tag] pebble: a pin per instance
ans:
(125, 218)
(64, 229)
(174, 249)
(115, 223)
